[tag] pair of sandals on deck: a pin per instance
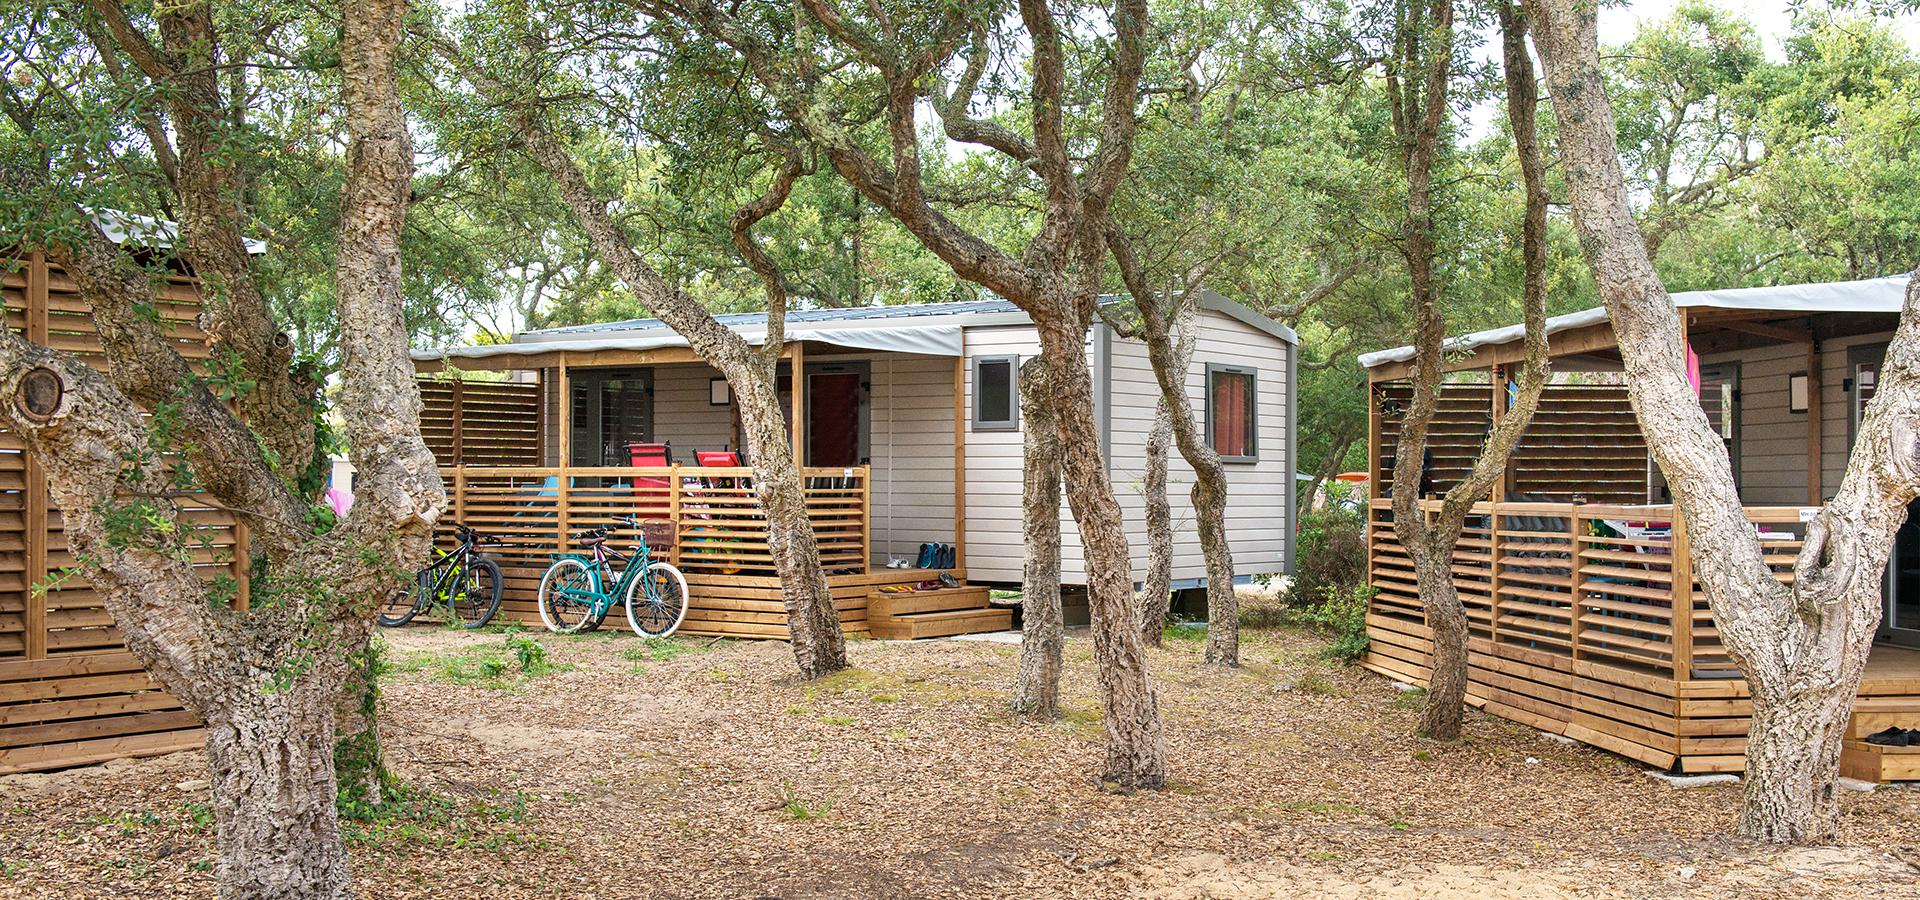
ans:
(946, 580)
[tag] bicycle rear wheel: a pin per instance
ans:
(403, 604)
(567, 596)
(657, 601)
(476, 593)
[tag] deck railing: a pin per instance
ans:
(718, 526)
(1589, 581)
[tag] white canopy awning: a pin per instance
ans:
(925, 340)
(1873, 295)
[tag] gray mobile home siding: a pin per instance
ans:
(1258, 523)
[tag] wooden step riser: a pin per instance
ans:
(881, 605)
(1866, 723)
(912, 628)
(1871, 762)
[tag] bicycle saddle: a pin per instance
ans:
(591, 536)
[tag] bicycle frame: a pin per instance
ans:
(633, 566)
(446, 567)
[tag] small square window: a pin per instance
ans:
(1233, 416)
(996, 393)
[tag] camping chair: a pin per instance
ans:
(647, 454)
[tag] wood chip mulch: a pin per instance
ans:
(708, 770)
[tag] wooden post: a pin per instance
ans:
(798, 398)
(1373, 440)
(1682, 572)
(563, 484)
(540, 420)
(37, 536)
(1498, 381)
(866, 522)
(1816, 492)
(459, 415)
(960, 462)
(563, 407)
(459, 493)
(1574, 572)
(673, 514)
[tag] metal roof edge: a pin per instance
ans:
(1220, 303)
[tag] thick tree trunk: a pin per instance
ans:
(1794, 741)
(1447, 619)
(813, 625)
(1036, 693)
(1136, 746)
(1210, 517)
(1802, 648)
(1430, 544)
(1156, 591)
(270, 761)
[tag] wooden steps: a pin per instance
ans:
(940, 612)
(1872, 714)
(1877, 762)
(1874, 762)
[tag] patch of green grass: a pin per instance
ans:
(1323, 856)
(1316, 684)
(837, 720)
(507, 665)
(1423, 755)
(414, 816)
(878, 685)
(1326, 806)
(659, 649)
(1413, 699)
(128, 822)
(799, 808)
(1188, 632)
(798, 710)
(1086, 724)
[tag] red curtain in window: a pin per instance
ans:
(1232, 394)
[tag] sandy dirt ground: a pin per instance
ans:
(705, 769)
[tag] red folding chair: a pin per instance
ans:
(646, 454)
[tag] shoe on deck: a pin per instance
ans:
(1892, 737)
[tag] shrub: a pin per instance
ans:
(1333, 556)
(1342, 614)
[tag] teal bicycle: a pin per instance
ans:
(579, 589)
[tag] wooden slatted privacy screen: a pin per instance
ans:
(1453, 440)
(720, 532)
(1581, 623)
(1583, 441)
(481, 423)
(69, 692)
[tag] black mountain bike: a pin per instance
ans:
(467, 583)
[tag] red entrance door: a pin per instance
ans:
(833, 419)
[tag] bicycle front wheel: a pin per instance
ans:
(657, 600)
(402, 605)
(477, 594)
(567, 596)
